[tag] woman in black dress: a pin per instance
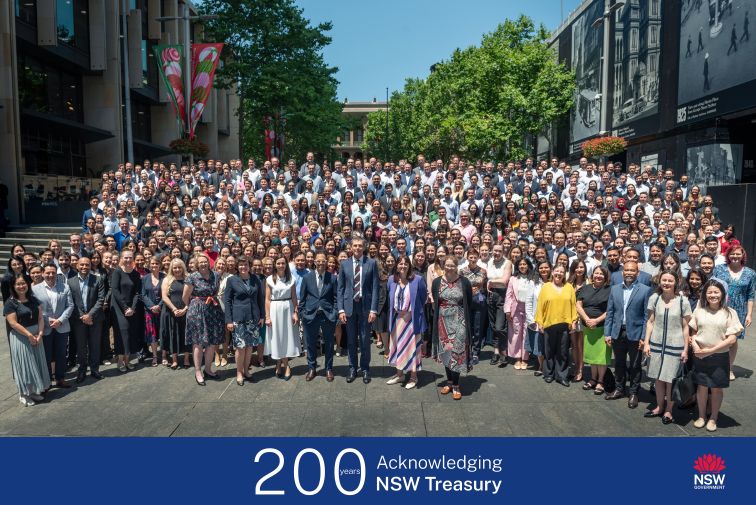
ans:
(173, 315)
(125, 286)
(153, 304)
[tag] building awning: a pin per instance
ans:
(59, 125)
(144, 149)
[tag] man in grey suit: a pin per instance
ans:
(624, 331)
(317, 310)
(56, 304)
(88, 294)
(357, 302)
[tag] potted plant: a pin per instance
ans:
(603, 146)
(191, 146)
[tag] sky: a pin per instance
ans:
(380, 43)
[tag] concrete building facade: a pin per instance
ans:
(349, 143)
(63, 97)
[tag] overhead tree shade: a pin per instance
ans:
(481, 103)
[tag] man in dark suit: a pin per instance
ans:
(90, 212)
(357, 302)
(624, 331)
(560, 240)
(317, 309)
(88, 294)
(630, 255)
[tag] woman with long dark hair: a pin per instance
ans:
(716, 327)
(244, 308)
(281, 317)
(592, 303)
(407, 295)
(26, 322)
(452, 301)
(153, 306)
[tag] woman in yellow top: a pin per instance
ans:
(556, 315)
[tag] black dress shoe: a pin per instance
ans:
(650, 413)
(667, 420)
(351, 376)
(563, 383)
(495, 359)
(632, 402)
(366, 377)
(615, 395)
(80, 377)
(96, 375)
(329, 376)
(548, 380)
(310, 375)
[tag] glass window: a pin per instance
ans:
(149, 66)
(26, 11)
(64, 16)
(47, 89)
(141, 121)
(73, 23)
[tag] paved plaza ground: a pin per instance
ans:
(498, 402)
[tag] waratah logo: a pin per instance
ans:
(709, 463)
(710, 472)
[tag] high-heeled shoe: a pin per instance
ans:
(239, 382)
(286, 377)
(199, 383)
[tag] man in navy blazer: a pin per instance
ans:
(91, 212)
(357, 302)
(318, 312)
(624, 331)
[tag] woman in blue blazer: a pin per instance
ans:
(407, 294)
(244, 309)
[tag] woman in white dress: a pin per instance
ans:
(281, 318)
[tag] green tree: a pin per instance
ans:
(275, 59)
(482, 103)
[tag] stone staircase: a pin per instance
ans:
(34, 238)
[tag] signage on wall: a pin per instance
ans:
(715, 64)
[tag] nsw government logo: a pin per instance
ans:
(710, 476)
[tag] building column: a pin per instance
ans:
(103, 96)
(11, 162)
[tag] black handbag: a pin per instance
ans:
(683, 388)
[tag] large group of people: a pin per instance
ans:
(562, 270)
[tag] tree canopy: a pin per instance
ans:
(484, 102)
(274, 57)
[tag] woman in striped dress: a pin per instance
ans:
(407, 294)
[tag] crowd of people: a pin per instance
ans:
(561, 270)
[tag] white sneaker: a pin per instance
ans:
(37, 398)
(26, 401)
(394, 380)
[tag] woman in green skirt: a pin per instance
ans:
(592, 300)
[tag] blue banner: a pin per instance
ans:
(385, 470)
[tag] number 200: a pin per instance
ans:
(321, 465)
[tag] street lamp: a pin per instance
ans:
(605, 19)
